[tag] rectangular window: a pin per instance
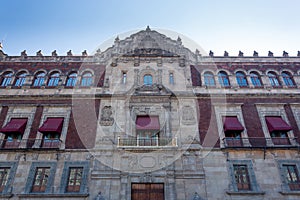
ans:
(232, 129)
(171, 78)
(4, 173)
(124, 78)
(241, 177)
(292, 176)
(40, 179)
(74, 179)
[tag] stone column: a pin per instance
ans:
(249, 81)
(124, 184)
(265, 81)
(159, 77)
(128, 121)
(136, 77)
(218, 85)
(170, 187)
(167, 120)
(232, 80)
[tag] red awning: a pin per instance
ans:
(52, 125)
(16, 125)
(147, 123)
(231, 123)
(276, 123)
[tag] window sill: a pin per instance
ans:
(296, 192)
(245, 192)
(62, 195)
(6, 196)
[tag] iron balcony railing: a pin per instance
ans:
(260, 142)
(30, 144)
(147, 142)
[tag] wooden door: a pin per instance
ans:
(147, 191)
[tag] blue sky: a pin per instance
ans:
(216, 25)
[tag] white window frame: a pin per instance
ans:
(223, 110)
(276, 109)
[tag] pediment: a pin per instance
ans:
(147, 43)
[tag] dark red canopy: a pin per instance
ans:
(231, 123)
(147, 123)
(16, 125)
(276, 123)
(52, 125)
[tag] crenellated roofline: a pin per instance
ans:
(147, 43)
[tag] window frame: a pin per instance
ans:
(41, 178)
(7, 78)
(241, 175)
(209, 79)
(39, 79)
(73, 179)
(84, 180)
(288, 79)
(72, 79)
(285, 184)
(32, 173)
(7, 189)
(277, 110)
(254, 187)
(54, 79)
(241, 79)
(273, 78)
(256, 79)
(124, 77)
(148, 80)
(20, 79)
(171, 78)
(223, 79)
(86, 79)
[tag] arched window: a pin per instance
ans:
(209, 79)
(255, 79)
(39, 79)
(148, 79)
(287, 79)
(87, 79)
(20, 79)
(54, 79)
(72, 79)
(273, 79)
(6, 79)
(223, 79)
(241, 79)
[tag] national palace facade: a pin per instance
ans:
(148, 118)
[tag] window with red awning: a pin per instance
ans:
(15, 125)
(276, 123)
(231, 123)
(52, 125)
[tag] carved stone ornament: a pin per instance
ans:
(188, 117)
(106, 119)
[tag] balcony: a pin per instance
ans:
(147, 142)
(259, 142)
(30, 144)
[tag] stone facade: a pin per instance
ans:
(149, 112)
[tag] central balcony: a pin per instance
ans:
(155, 142)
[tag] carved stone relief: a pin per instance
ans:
(106, 116)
